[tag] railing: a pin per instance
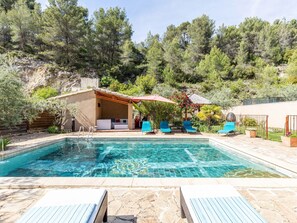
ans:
(81, 130)
(262, 124)
(91, 131)
(291, 124)
(254, 101)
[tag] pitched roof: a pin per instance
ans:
(197, 99)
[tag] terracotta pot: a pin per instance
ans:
(289, 141)
(251, 133)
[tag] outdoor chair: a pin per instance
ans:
(146, 127)
(216, 203)
(187, 125)
(229, 127)
(69, 205)
(164, 127)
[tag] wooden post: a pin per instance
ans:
(266, 126)
(287, 129)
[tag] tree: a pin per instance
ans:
(210, 114)
(216, 66)
(64, 30)
(269, 47)
(157, 111)
(228, 40)
(5, 31)
(21, 21)
(111, 30)
(146, 83)
(249, 46)
(154, 59)
(292, 68)
(8, 4)
(184, 103)
(173, 56)
(45, 92)
(200, 32)
(14, 103)
(60, 109)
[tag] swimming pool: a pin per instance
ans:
(131, 157)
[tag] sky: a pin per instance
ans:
(155, 15)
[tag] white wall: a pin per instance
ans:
(277, 112)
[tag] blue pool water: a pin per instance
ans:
(132, 158)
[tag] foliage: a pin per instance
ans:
(184, 103)
(4, 142)
(62, 111)
(250, 122)
(53, 129)
(158, 111)
(146, 83)
(215, 66)
(64, 29)
(252, 55)
(292, 68)
(291, 135)
(164, 90)
(14, 103)
(45, 92)
(210, 114)
(112, 30)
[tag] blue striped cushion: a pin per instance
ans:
(79, 213)
(225, 210)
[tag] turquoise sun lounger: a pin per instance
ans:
(188, 127)
(69, 206)
(229, 127)
(216, 204)
(164, 127)
(146, 127)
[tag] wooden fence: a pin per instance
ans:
(291, 124)
(44, 121)
(262, 124)
(21, 128)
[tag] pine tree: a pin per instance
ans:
(64, 30)
(21, 21)
(112, 30)
(5, 31)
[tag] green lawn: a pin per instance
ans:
(275, 136)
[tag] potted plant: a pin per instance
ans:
(289, 139)
(251, 127)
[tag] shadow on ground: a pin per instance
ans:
(122, 219)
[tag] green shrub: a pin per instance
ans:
(249, 122)
(4, 142)
(53, 129)
(45, 92)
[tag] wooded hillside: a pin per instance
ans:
(224, 63)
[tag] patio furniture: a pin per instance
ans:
(103, 124)
(164, 127)
(187, 125)
(216, 204)
(229, 127)
(120, 124)
(69, 205)
(146, 127)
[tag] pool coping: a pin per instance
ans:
(45, 182)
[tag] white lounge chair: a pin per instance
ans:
(69, 205)
(216, 204)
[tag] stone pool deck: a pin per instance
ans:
(157, 200)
